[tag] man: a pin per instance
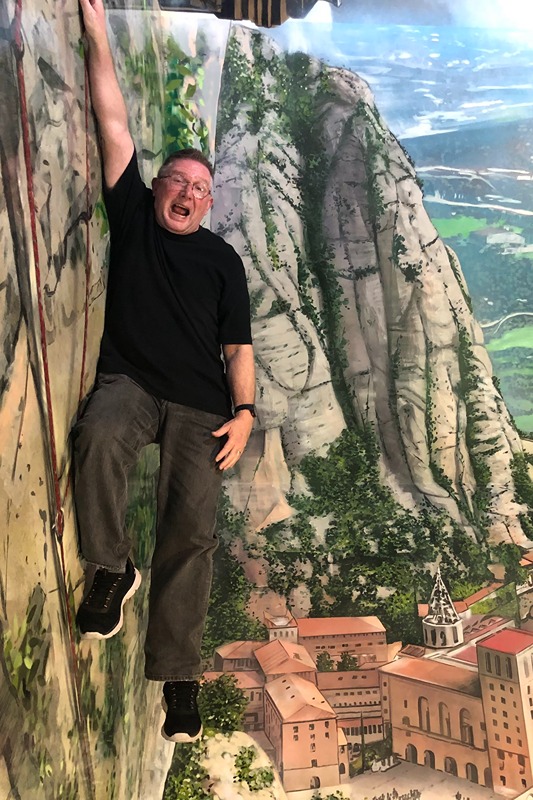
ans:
(176, 296)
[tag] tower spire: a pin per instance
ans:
(442, 625)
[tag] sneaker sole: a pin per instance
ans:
(96, 634)
(179, 738)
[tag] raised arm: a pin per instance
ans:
(107, 99)
(240, 372)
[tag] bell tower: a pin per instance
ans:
(442, 626)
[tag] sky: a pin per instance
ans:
(511, 14)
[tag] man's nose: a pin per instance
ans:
(186, 188)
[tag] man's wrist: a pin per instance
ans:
(245, 407)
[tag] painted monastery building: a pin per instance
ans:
(462, 703)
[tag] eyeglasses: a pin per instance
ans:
(199, 190)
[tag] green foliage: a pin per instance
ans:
(338, 795)
(222, 704)
(469, 372)
(373, 540)
(182, 124)
(227, 619)
(324, 662)
(510, 556)
(241, 87)
(24, 653)
(347, 663)
(522, 482)
(186, 778)
(255, 778)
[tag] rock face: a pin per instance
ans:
(360, 311)
(72, 713)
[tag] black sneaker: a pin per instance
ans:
(100, 615)
(182, 723)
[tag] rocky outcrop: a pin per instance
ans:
(360, 311)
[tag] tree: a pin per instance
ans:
(324, 662)
(347, 662)
(222, 704)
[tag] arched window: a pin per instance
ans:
(488, 666)
(429, 759)
(443, 638)
(497, 665)
(450, 766)
(471, 773)
(315, 782)
(444, 720)
(342, 768)
(508, 668)
(465, 724)
(423, 714)
(411, 754)
(434, 638)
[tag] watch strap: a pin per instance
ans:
(245, 407)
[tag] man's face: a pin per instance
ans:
(177, 209)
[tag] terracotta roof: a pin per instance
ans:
(467, 654)
(348, 680)
(355, 722)
(328, 626)
(427, 670)
(279, 621)
(463, 605)
(279, 657)
(298, 700)
(238, 649)
(511, 640)
(478, 625)
(247, 679)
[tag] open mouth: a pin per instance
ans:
(180, 211)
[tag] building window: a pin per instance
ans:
(488, 665)
(314, 762)
(508, 668)
(327, 723)
(444, 720)
(508, 739)
(465, 724)
(491, 686)
(295, 729)
(311, 727)
(295, 737)
(312, 747)
(327, 734)
(423, 714)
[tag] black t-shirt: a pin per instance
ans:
(172, 301)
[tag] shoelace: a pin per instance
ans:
(103, 585)
(181, 693)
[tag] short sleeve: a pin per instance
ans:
(234, 308)
(123, 199)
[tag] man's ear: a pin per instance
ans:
(154, 184)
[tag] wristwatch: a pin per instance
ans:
(246, 407)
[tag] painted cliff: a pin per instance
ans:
(369, 357)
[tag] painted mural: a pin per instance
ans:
(371, 623)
